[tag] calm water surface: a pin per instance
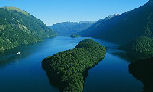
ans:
(24, 73)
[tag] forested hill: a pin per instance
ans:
(69, 28)
(17, 27)
(126, 27)
(67, 70)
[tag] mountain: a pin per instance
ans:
(69, 28)
(124, 28)
(17, 27)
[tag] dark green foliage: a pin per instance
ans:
(143, 71)
(149, 26)
(68, 28)
(142, 48)
(67, 70)
(124, 28)
(18, 27)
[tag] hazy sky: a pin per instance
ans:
(54, 11)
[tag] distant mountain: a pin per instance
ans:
(69, 28)
(124, 28)
(17, 27)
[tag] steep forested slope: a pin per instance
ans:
(126, 27)
(141, 48)
(69, 28)
(17, 27)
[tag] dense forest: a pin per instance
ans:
(17, 27)
(67, 70)
(141, 48)
(69, 28)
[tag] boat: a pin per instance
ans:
(18, 53)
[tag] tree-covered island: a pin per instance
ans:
(67, 70)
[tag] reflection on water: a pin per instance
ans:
(24, 73)
(112, 75)
(143, 71)
(11, 56)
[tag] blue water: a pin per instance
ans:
(24, 73)
(112, 75)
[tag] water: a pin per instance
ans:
(24, 73)
(112, 75)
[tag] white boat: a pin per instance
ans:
(18, 53)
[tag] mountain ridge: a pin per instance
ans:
(69, 28)
(123, 28)
(18, 27)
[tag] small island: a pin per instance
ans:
(67, 70)
(74, 35)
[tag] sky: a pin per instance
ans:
(56, 11)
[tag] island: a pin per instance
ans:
(74, 35)
(67, 70)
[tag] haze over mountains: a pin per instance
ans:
(69, 28)
(123, 28)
